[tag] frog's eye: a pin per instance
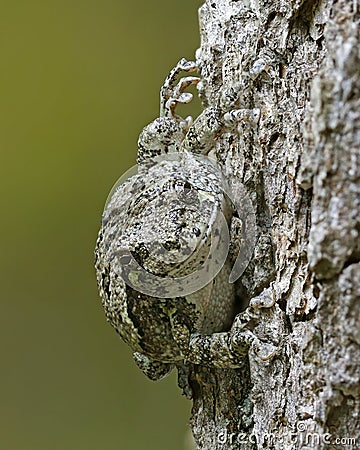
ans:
(187, 187)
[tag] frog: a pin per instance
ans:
(162, 254)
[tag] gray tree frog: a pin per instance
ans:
(159, 227)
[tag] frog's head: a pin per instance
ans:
(163, 221)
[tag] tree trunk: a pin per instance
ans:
(298, 62)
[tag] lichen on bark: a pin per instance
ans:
(298, 61)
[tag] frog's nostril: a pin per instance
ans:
(187, 187)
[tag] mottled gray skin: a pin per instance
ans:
(171, 205)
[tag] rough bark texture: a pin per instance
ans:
(298, 61)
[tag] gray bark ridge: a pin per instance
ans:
(298, 61)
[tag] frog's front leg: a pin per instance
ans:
(211, 122)
(226, 350)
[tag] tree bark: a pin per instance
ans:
(298, 61)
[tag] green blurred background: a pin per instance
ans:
(78, 81)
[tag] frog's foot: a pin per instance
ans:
(242, 336)
(179, 96)
(171, 80)
(243, 340)
(172, 91)
(155, 370)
